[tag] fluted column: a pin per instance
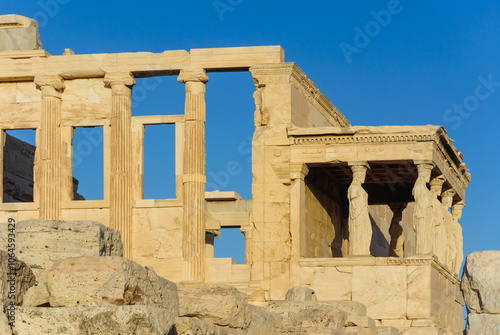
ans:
(422, 214)
(50, 147)
(194, 179)
(120, 216)
(360, 227)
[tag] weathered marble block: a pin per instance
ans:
(481, 282)
(108, 281)
(24, 278)
(40, 243)
(19, 33)
(144, 320)
(222, 305)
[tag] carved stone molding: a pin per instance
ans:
(51, 86)
(196, 75)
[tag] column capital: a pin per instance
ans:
(298, 171)
(437, 185)
(456, 209)
(50, 85)
(447, 198)
(119, 78)
(353, 164)
(192, 75)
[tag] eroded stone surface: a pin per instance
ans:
(222, 305)
(483, 324)
(42, 242)
(20, 272)
(109, 281)
(481, 282)
(300, 293)
(123, 320)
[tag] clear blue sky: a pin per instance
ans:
(412, 68)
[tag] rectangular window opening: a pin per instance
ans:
(230, 244)
(88, 164)
(159, 162)
(158, 96)
(18, 163)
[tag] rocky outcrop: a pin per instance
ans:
(123, 320)
(108, 281)
(40, 243)
(15, 278)
(95, 291)
(481, 288)
(222, 305)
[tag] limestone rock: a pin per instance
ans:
(481, 282)
(4, 325)
(108, 281)
(222, 305)
(19, 33)
(305, 314)
(483, 324)
(37, 296)
(117, 320)
(42, 242)
(24, 278)
(188, 326)
(263, 322)
(300, 293)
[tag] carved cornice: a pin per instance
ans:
(290, 73)
(450, 160)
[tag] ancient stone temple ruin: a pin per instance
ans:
(355, 213)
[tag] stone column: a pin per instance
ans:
(120, 216)
(451, 247)
(298, 173)
(456, 213)
(50, 182)
(422, 215)
(440, 235)
(194, 179)
(396, 248)
(360, 227)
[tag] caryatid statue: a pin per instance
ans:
(440, 236)
(396, 247)
(422, 215)
(456, 213)
(360, 227)
(260, 115)
(451, 251)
